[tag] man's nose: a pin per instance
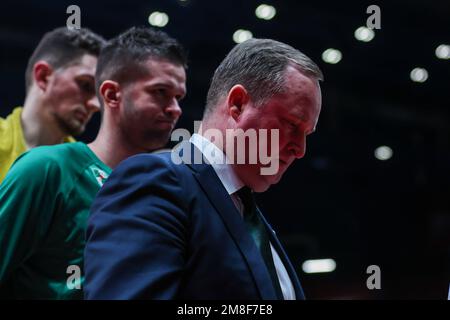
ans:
(174, 109)
(298, 148)
(93, 104)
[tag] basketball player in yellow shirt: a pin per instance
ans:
(60, 94)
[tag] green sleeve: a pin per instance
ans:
(28, 197)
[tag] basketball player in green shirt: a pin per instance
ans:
(45, 197)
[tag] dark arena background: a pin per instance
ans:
(374, 186)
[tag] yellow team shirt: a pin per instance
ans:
(12, 141)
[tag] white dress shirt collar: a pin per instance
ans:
(219, 162)
(232, 183)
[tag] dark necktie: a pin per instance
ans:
(259, 233)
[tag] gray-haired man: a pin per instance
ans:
(163, 230)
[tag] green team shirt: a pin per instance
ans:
(44, 207)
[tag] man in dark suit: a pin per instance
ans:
(184, 224)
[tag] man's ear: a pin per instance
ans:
(41, 73)
(237, 100)
(110, 93)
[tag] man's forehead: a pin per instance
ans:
(307, 106)
(86, 65)
(302, 101)
(159, 66)
(299, 104)
(164, 72)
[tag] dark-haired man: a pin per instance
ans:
(60, 94)
(47, 193)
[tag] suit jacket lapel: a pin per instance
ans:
(222, 202)
(285, 259)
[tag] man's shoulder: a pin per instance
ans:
(153, 167)
(15, 113)
(56, 152)
(12, 119)
(4, 122)
(50, 156)
(55, 166)
(150, 160)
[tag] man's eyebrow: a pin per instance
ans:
(303, 118)
(167, 85)
(299, 117)
(85, 75)
(156, 84)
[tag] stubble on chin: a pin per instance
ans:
(70, 126)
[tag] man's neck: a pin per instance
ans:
(216, 126)
(111, 148)
(38, 127)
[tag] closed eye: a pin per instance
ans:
(86, 86)
(161, 92)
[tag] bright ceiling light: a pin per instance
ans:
(364, 34)
(383, 153)
(443, 51)
(319, 266)
(419, 75)
(265, 12)
(332, 56)
(242, 35)
(158, 19)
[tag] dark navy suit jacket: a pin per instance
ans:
(161, 230)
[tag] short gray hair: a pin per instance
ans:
(259, 65)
